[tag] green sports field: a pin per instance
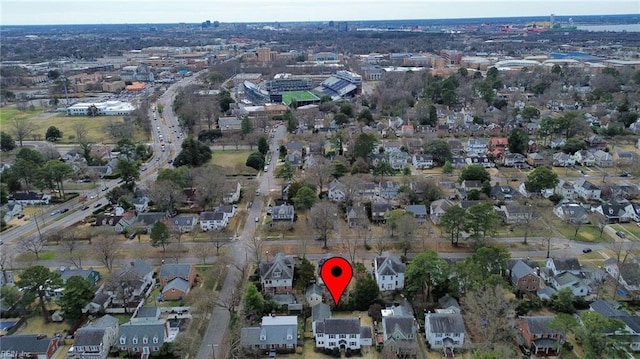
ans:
(300, 96)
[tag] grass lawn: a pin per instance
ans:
(233, 160)
(627, 228)
(566, 172)
(37, 325)
(586, 233)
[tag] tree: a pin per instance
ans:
(304, 273)
(324, 217)
(341, 119)
(574, 145)
(305, 198)
(447, 168)
(475, 173)
(55, 172)
(382, 168)
(365, 293)
(193, 154)
(286, 171)
(365, 116)
(38, 279)
(246, 127)
(129, 172)
(159, 235)
(540, 179)
(291, 121)
(9, 296)
(53, 134)
(364, 145)
(34, 244)
(166, 195)
(518, 141)
(255, 161)
(263, 145)
(424, 272)
(6, 142)
(454, 221)
(407, 228)
(107, 249)
(530, 113)
(77, 294)
(253, 301)
(319, 173)
(487, 316)
(22, 129)
(439, 149)
(482, 220)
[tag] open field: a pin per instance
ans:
(37, 325)
(627, 228)
(233, 160)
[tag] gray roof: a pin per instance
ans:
(448, 301)
(539, 325)
(25, 343)
(178, 284)
(148, 312)
(184, 220)
(566, 278)
(566, 264)
(274, 330)
(175, 270)
(140, 330)
(106, 321)
(211, 216)
(281, 263)
(402, 324)
(389, 265)
(68, 273)
(89, 337)
(632, 322)
(546, 291)
(445, 323)
(417, 209)
(519, 270)
(630, 272)
(320, 312)
(139, 267)
(339, 326)
(150, 218)
(314, 289)
(607, 308)
(365, 332)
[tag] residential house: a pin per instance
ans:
(617, 212)
(516, 214)
(389, 272)
(455, 144)
(275, 334)
(613, 310)
(316, 149)
(571, 213)
(467, 186)
(586, 189)
(516, 160)
(392, 146)
(448, 305)
(176, 280)
(213, 221)
(357, 216)
(276, 276)
(407, 130)
(94, 339)
(28, 346)
(144, 337)
(141, 204)
(10, 210)
(476, 146)
(480, 160)
(319, 313)
(557, 142)
(379, 211)
(414, 146)
(498, 146)
(119, 223)
(283, 213)
(231, 192)
(229, 210)
(313, 295)
(389, 189)
(148, 219)
(437, 209)
(368, 191)
(603, 159)
(623, 158)
(337, 191)
(584, 158)
(524, 278)
(422, 161)
(561, 159)
(458, 161)
(419, 212)
(400, 331)
(575, 283)
(135, 282)
(627, 273)
(566, 190)
(595, 141)
(6, 277)
(399, 160)
(539, 337)
(91, 275)
(504, 193)
(295, 159)
(342, 334)
(444, 331)
(561, 265)
(183, 223)
(29, 198)
(535, 159)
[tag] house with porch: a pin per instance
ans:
(400, 331)
(444, 331)
(276, 334)
(342, 334)
(627, 273)
(145, 335)
(419, 212)
(231, 192)
(389, 272)
(283, 213)
(539, 337)
(389, 189)
(616, 212)
(422, 161)
(586, 189)
(379, 211)
(215, 221)
(29, 198)
(94, 339)
(516, 160)
(276, 277)
(536, 159)
(571, 213)
(603, 159)
(337, 191)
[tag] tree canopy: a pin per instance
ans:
(475, 173)
(439, 149)
(540, 179)
(159, 235)
(193, 154)
(365, 293)
(518, 141)
(38, 279)
(77, 294)
(53, 134)
(7, 143)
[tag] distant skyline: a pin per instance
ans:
(51, 12)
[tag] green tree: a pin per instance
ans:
(304, 273)
(305, 198)
(482, 220)
(540, 179)
(518, 141)
(159, 235)
(291, 121)
(530, 113)
(594, 331)
(339, 169)
(38, 279)
(562, 301)
(454, 221)
(193, 154)
(574, 145)
(9, 296)
(364, 145)
(53, 134)
(263, 145)
(254, 302)
(382, 168)
(224, 101)
(286, 171)
(365, 293)
(365, 116)
(53, 174)
(475, 173)
(346, 109)
(77, 294)
(129, 172)
(255, 161)
(447, 168)
(439, 149)
(7, 143)
(26, 166)
(425, 271)
(341, 119)
(246, 127)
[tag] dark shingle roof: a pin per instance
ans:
(445, 323)
(607, 308)
(175, 270)
(281, 263)
(566, 264)
(339, 326)
(89, 337)
(403, 324)
(539, 325)
(25, 343)
(389, 265)
(320, 312)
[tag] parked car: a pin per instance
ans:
(620, 234)
(97, 205)
(587, 250)
(65, 210)
(84, 208)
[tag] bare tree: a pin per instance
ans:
(107, 249)
(166, 195)
(621, 251)
(177, 251)
(407, 227)
(22, 128)
(33, 244)
(121, 286)
(352, 186)
(487, 316)
(202, 253)
(71, 249)
(526, 219)
(320, 173)
(210, 182)
(324, 217)
(255, 246)
(81, 132)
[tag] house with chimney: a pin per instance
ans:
(176, 280)
(276, 277)
(389, 272)
(444, 331)
(343, 334)
(94, 339)
(276, 334)
(539, 337)
(400, 330)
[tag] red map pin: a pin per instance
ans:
(336, 274)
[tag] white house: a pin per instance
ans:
(627, 274)
(444, 331)
(141, 204)
(569, 280)
(275, 333)
(276, 276)
(10, 210)
(566, 190)
(562, 265)
(476, 146)
(337, 191)
(603, 159)
(389, 272)
(29, 198)
(421, 161)
(342, 334)
(231, 193)
(213, 220)
(586, 189)
(584, 158)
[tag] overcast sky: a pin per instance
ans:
(41, 12)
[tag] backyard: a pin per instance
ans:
(234, 161)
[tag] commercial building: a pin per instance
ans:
(107, 108)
